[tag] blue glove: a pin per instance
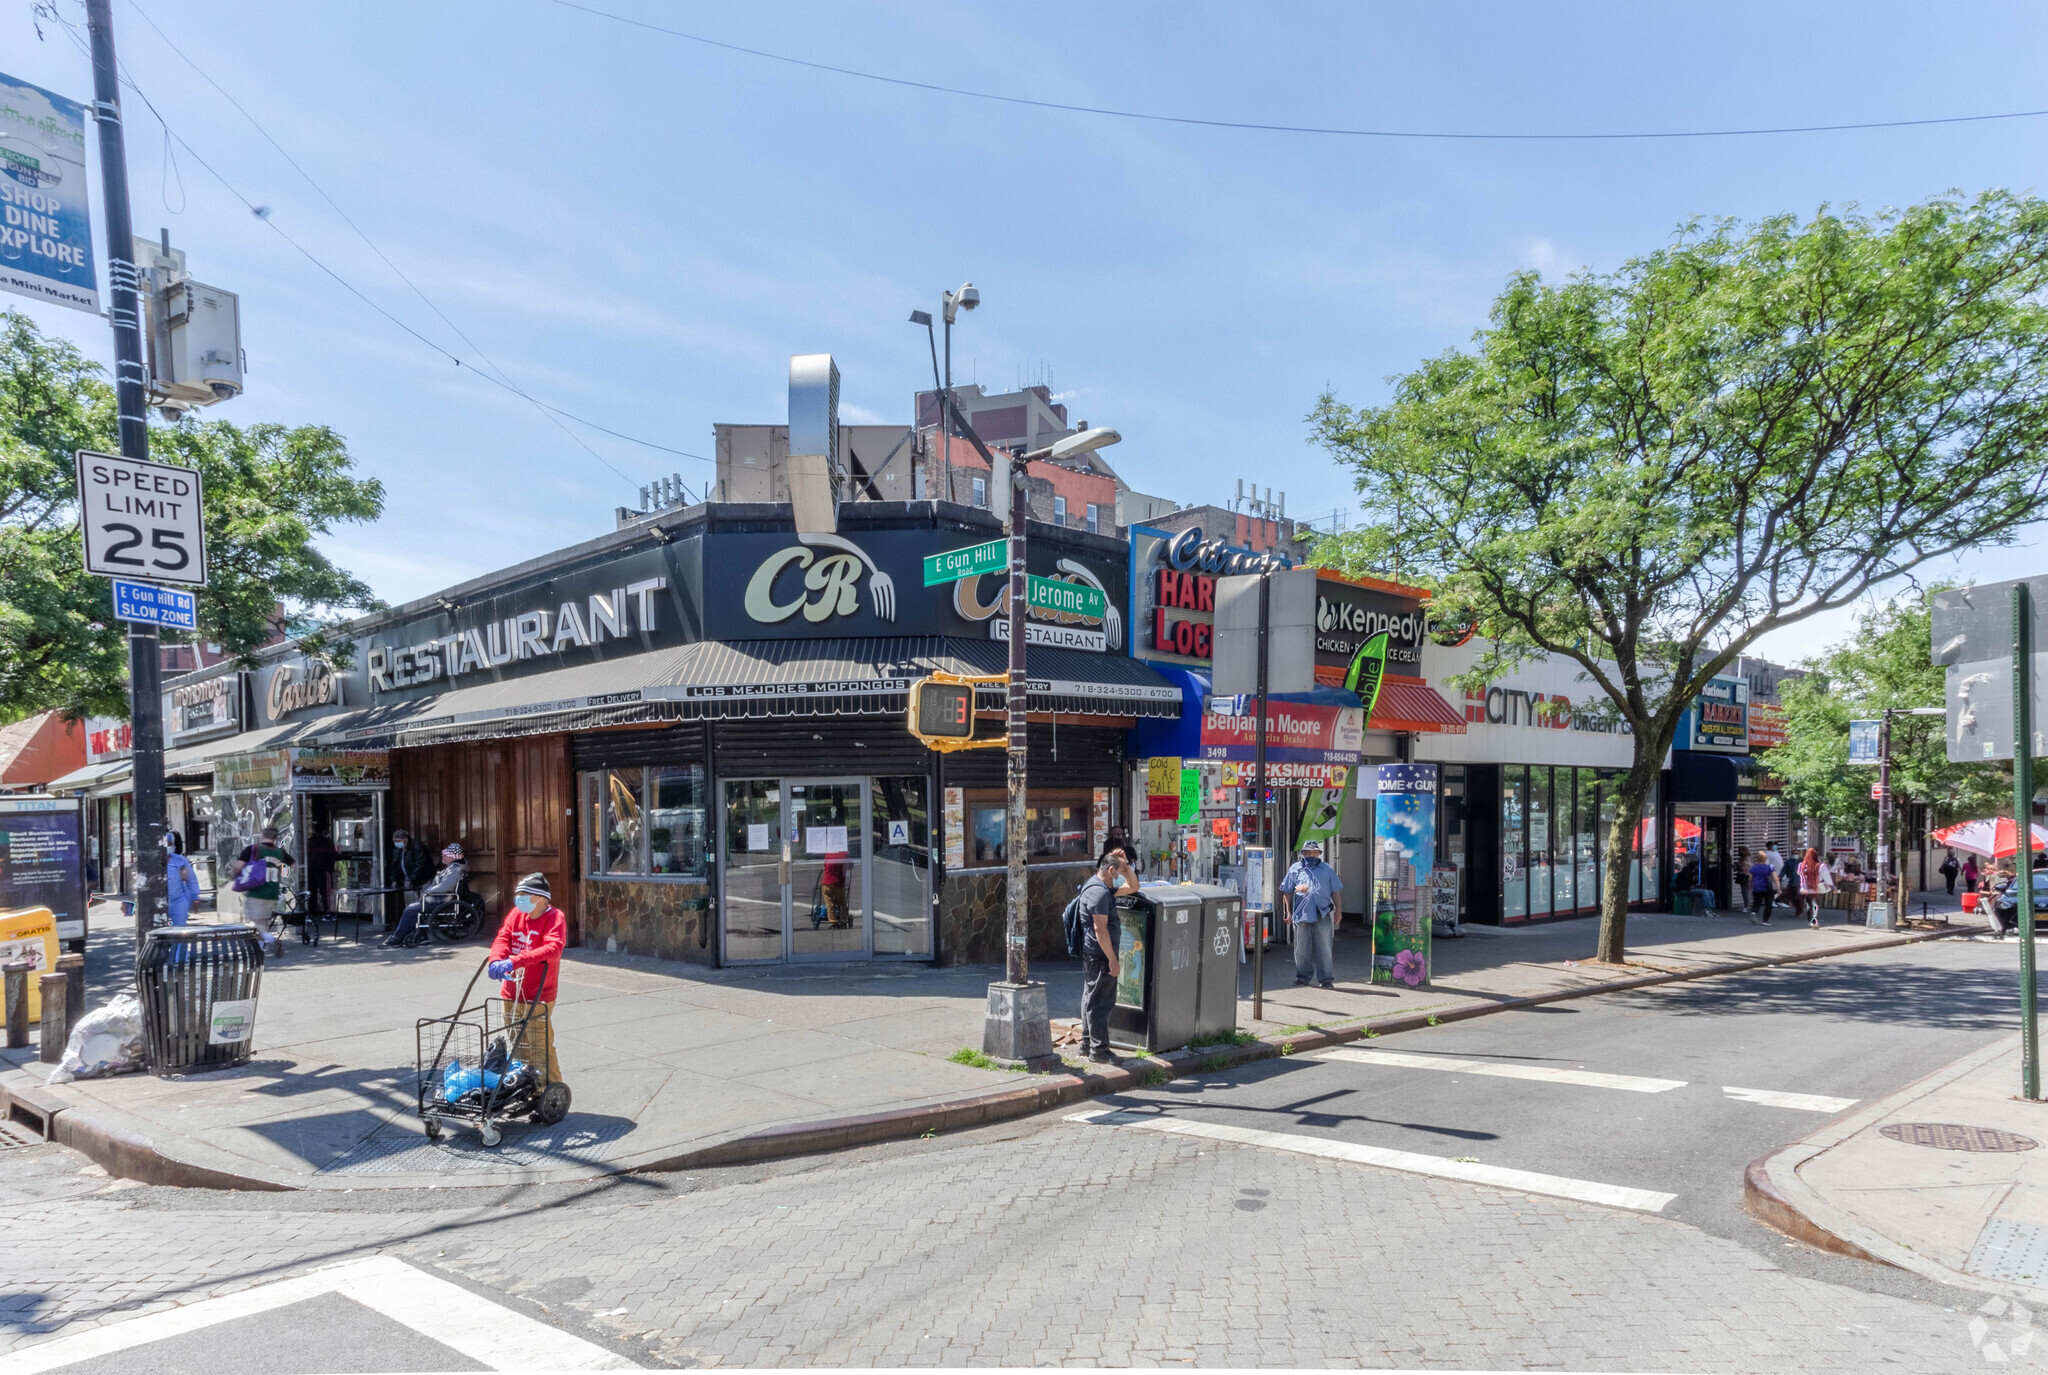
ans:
(500, 969)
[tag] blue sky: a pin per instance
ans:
(641, 229)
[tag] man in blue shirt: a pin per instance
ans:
(1311, 888)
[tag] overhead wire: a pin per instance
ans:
(1256, 127)
(384, 257)
(264, 214)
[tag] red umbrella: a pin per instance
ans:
(1993, 838)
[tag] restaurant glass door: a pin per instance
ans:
(795, 860)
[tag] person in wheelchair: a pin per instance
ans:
(443, 892)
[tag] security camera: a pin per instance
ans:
(968, 297)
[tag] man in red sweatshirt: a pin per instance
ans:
(534, 933)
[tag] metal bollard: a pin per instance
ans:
(56, 1028)
(17, 972)
(72, 967)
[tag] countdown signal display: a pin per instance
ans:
(945, 710)
(942, 711)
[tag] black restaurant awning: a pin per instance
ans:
(762, 678)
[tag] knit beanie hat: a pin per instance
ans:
(535, 883)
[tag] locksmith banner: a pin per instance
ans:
(45, 213)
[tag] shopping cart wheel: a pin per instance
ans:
(433, 1126)
(489, 1135)
(553, 1105)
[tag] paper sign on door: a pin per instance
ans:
(757, 836)
(824, 840)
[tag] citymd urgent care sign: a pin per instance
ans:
(1542, 711)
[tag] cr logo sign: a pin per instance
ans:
(830, 585)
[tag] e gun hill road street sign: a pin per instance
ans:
(971, 562)
(141, 519)
(159, 606)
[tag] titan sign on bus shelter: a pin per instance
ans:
(45, 214)
(141, 519)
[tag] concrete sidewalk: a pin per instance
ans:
(675, 1067)
(1947, 1178)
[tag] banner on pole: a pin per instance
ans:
(45, 213)
(1404, 831)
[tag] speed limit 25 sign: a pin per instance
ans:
(141, 519)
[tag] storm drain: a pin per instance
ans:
(13, 1136)
(402, 1148)
(2016, 1251)
(1950, 1136)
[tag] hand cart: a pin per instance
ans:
(470, 1070)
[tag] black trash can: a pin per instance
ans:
(198, 987)
(1161, 968)
(1217, 946)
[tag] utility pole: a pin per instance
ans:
(1259, 799)
(1017, 938)
(1884, 809)
(132, 400)
(2023, 829)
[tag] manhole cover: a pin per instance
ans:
(1949, 1136)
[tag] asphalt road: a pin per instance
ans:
(1050, 1241)
(1845, 1030)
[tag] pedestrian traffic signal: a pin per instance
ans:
(942, 711)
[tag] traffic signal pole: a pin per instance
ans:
(132, 400)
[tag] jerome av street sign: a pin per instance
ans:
(970, 562)
(141, 519)
(1073, 598)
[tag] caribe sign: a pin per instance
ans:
(830, 586)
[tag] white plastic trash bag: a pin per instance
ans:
(107, 1040)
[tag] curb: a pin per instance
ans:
(1775, 1195)
(130, 1155)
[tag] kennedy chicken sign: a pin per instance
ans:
(1296, 732)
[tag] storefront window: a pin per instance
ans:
(1056, 826)
(1514, 811)
(646, 821)
(1540, 840)
(1587, 835)
(675, 819)
(901, 844)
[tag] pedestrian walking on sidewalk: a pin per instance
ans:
(1313, 887)
(183, 883)
(1763, 888)
(1949, 869)
(1971, 876)
(1793, 889)
(534, 935)
(1813, 882)
(259, 904)
(1102, 936)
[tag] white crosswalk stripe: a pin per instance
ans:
(493, 1336)
(1805, 1102)
(1466, 1171)
(1496, 1069)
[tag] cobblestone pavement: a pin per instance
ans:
(1037, 1243)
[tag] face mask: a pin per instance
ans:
(526, 903)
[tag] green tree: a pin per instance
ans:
(1645, 470)
(270, 490)
(1884, 664)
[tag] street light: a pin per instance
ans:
(951, 303)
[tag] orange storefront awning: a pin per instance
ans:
(1410, 704)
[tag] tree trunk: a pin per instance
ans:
(1638, 785)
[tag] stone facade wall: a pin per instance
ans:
(973, 911)
(669, 920)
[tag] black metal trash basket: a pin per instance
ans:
(198, 986)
